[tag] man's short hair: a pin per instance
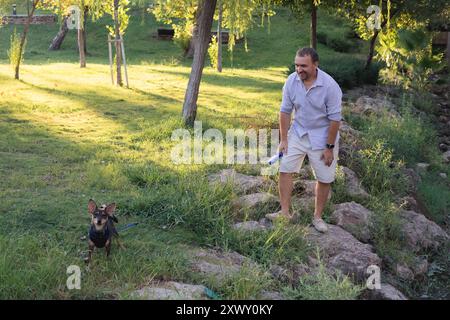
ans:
(302, 52)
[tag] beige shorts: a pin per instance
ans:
(298, 149)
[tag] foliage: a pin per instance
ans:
(212, 52)
(14, 53)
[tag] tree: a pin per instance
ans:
(60, 36)
(299, 8)
(21, 47)
(205, 19)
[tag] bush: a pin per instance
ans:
(349, 72)
(14, 54)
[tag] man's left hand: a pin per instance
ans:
(327, 157)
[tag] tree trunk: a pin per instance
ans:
(117, 43)
(219, 39)
(371, 49)
(192, 43)
(313, 41)
(85, 13)
(81, 48)
(59, 38)
(23, 39)
(205, 19)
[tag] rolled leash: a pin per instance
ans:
(127, 226)
(275, 158)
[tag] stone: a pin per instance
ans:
(344, 252)
(218, 264)
(352, 184)
(171, 291)
(241, 183)
(366, 105)
(446, 156)
(412, 179)
(386, 292)
(421, 233)
(250, 226)
(422, 167)
(271, 295)
(353, 218)
(404, 272)
(408, 203)
(252, 205)
(443, 175)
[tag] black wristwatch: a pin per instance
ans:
(330, 146)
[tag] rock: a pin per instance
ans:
(386, 292)
(306, 173)
(171, 291)
(219, 264)
(404, 272)
(443, 175)
(344, 252)
(271, 295)
(408, 203)
(353, 185)
(255, 203)
(353, 218)
(412, 179)
(349, 144)
(422, 167)
(367, 106)
(421, 233)
(446, 156)
(250, 226)
(443, 147)
(242, 183)
(279, 273)
(420, 267)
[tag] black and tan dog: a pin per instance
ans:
(102, 227)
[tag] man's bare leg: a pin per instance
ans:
(285, 188)
(322, 191)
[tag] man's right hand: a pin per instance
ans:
(283, 147)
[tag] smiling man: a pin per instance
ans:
(316, 98)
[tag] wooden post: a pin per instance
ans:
(124, 59)
(110, 58)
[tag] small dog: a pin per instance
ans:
(102, 227)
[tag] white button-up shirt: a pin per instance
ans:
(314, 108)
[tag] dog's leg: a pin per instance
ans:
(108, 247)
(91, 249)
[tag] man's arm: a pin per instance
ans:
(285, 122)
(332, 132)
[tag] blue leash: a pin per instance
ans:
(130, 225)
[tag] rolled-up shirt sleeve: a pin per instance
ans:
(286, 103)
(334, 103)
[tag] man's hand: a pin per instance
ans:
(327, 157)
(283, 147)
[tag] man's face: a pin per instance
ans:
(305, 67)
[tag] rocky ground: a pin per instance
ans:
(348, 245)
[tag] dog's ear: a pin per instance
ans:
(92, 206)
(110, 208)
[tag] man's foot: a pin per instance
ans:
(278, 215)
(320, 225)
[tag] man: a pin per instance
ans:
(316, 99)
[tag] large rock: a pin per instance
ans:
(446, 156)
(366, 106)
(412, 179)
(251, 226)
(386, 292)
(344, 252)
(256, 204)
(421, 233)
(353, 218)
(352, 184)
(242, 183)
(218, 264)
(171, 291)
